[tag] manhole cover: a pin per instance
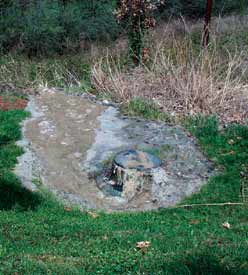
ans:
(130, 174)
(138, 160)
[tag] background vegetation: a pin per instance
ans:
(45, 27)
(196, 9)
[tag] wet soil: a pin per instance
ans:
(70, 138)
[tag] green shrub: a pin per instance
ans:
(42, 30)
(48, 26)
(10, 26)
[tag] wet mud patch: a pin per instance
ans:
(71, 142)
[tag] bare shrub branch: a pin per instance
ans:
(181, 80)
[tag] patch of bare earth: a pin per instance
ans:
(12, 103)
(69, 142)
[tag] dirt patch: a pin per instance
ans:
(69, 140)
(12, 103)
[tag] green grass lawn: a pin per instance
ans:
(40, 236)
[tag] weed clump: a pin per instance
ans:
(143, 108)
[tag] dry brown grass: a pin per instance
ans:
(180, 78)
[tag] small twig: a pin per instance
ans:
(210, 204)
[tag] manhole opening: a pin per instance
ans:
(129, 174)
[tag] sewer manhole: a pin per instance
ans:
(130, 174)
(134, 159)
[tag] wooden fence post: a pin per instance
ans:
(209, 9)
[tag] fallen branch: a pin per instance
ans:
(211, 204)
